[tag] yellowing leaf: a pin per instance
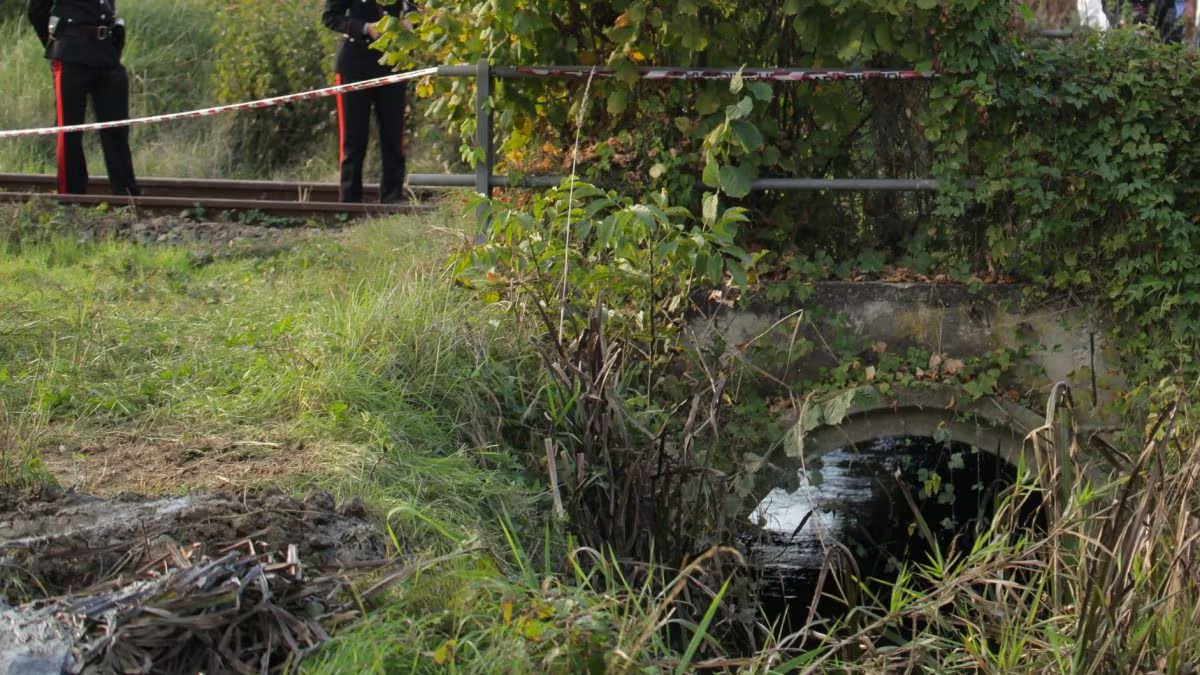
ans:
(444, 652)
(531, 629)
(835, 409)
(617, 101)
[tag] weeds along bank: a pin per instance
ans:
(650, 439)
(361, 372)
(428, 403)
(412, 394)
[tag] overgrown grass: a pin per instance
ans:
(1106, 586)
(356, 343)
(361, 344)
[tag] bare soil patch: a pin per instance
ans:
(153, 465)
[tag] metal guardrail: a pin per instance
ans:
(484, 181)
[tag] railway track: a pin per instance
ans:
(300, 200)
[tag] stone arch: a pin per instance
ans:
(990, 423)
(790, 499)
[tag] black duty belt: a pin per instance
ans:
(98, 32)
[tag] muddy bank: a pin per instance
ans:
(215, 582)
(56, 542)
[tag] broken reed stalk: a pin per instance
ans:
(552, 466)
(242, 612)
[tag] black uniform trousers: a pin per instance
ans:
(108, 87)
(1157, 13)
(354, 124)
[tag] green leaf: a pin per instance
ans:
(748, 134)
(707, 101)
(617, 101)
(836, 408)
(716, 266)
(738, 274)
(740, 109)
(708, 208)
(625, 70)
(760, 90)
(736, 180)
(712, 170)
(883, 37)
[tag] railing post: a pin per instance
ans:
(483, 128)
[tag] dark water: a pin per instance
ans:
(854, 517)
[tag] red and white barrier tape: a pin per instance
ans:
(206, 112)
(766, 74)
(649, 73)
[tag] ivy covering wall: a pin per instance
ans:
(1068, 163)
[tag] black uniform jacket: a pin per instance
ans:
(78, 37)
(350, 17)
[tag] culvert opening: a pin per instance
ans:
(855, 503)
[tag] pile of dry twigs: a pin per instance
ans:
(245, 611)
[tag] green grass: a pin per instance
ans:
(355, 342)
(361, 344)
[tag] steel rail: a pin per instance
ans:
(299, 199)
(324, 212)
(283, 191)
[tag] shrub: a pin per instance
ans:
(1091, 182)
(268, 53)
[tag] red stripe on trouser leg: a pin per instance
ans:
(58, 117)
(341, 113)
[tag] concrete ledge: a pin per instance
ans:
(1067, 340)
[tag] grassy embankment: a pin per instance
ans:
(345, 362)
(353, 361)
(353, 351)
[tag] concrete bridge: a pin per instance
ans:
(1060, 360)
(1052, 342)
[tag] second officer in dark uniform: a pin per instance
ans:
(84, 40)
(356, 61)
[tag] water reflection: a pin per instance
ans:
(851, 513)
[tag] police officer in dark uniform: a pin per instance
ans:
(84, 40)
(356, 61)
